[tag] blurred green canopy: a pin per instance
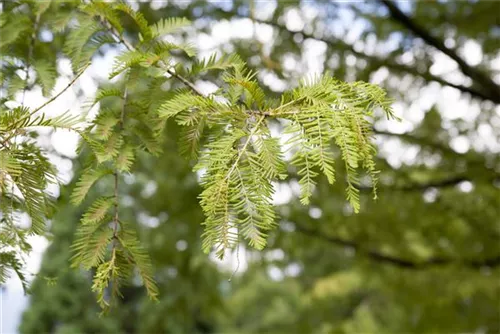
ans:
(423, 258)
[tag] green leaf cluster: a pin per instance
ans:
(227, 133)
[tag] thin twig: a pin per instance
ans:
(130, 47)
(186, 82)
(116, 219)
(249, 138)
(237, 264)
(30, 55)
(34, 111)
(170, 71)
(62, 91)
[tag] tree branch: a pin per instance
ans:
(63, 90)
(443, 183)
(421, 141)
(491, 88)
(399, 262)
(185, 81)
(380, 61)
(52, 99)
(179, 77)
(130, 47)
(116, 174)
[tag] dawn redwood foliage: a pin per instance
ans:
(227, 134)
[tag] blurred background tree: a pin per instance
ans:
(423, 258)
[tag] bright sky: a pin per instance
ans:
(448, 99)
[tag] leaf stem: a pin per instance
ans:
(62, 91)
(130, 47)
(34, 111)
(249, 138)
(116, 219)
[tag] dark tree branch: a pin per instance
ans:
(491, 89)
(472, 158)
(440, 183)
(399, 262)
(421, 141)
(430, 78)
(443, 183)
(339, 44)
(447, 182)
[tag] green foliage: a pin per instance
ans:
(136, 255)
(46, 75)
(168, 25)
(433, 229)
(228, 132)
(88, 178)
(83, 41)
(213, 62)
(25, 173)
(188, 297)
(96, 212)
(10, 261)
